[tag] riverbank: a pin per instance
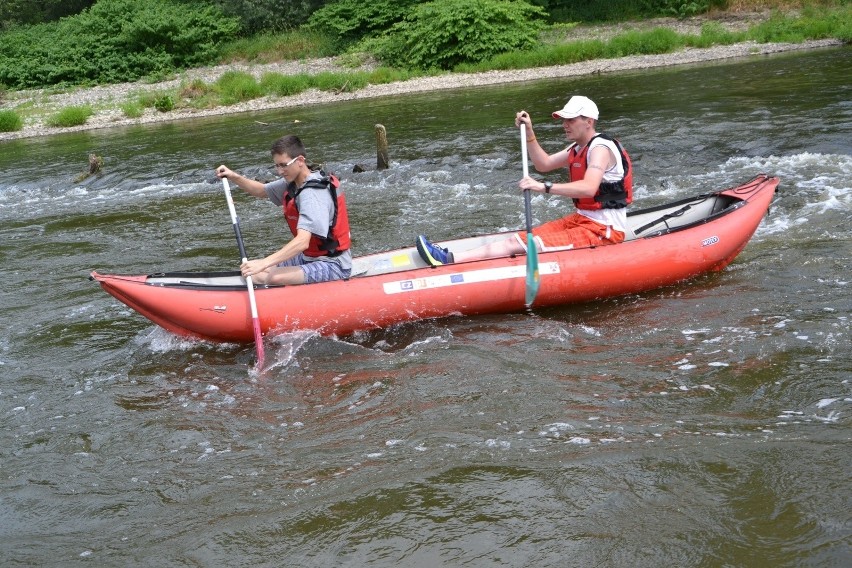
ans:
(106, 101)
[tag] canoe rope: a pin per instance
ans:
(665, 218)
(747, 187)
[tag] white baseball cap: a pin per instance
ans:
(578, 106)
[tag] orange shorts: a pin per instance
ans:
(572, 231)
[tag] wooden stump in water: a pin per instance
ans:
(382, 156)
(95, 165)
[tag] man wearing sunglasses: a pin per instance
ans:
(315, 211)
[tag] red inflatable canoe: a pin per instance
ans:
(669, 244)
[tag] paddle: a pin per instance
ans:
(533, 276)
(258, 336)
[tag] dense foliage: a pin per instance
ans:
(621, 10)
(88, 42)
(256, 16)
(27, 12)
(350, 20)
(114, 41)
(264, 16)
(446, 33)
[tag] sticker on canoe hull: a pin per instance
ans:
(398, 260)
(469, 277)
(710, 241)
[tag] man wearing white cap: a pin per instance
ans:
(600, 181)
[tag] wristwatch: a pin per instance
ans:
(548, 185)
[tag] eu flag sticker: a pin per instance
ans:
(456, 278)
(407, 285)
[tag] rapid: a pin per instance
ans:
(704, 424)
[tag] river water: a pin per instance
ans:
(705, 424)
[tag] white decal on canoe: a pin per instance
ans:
(217, 309)
(710, 241)
(469, 277)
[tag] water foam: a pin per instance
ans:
(23, 201)
(812, 187)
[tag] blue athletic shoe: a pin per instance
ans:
(433, 254)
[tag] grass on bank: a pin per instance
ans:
(236, 86)
(811, 24)
(792, 21)
(10, 121)
(268, 48)
(71, 116)
(556, 49)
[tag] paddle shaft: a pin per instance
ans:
(533, 277)
(258, 335)
(527, 205)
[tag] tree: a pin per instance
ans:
(26, 12)
(444, 33)
(258, 16)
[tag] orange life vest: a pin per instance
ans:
(337, 240)
(610, 195)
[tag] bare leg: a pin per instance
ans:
(287, 275)
(505, 247)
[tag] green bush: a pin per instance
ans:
(10, 121)
(685, 8)
(446, 33)
(262, 16)
(624, 10)
(25, 12)
(150, 99)
(114, 41)
(71, 116)
(164, 103)
(350, 20)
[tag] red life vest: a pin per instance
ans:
(337, 240)
(610, 195)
